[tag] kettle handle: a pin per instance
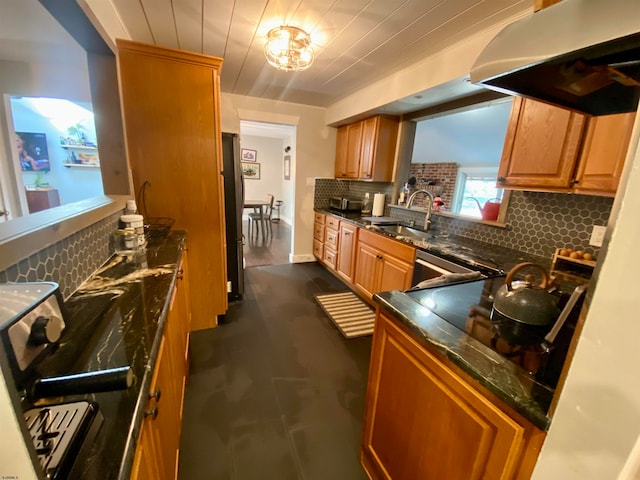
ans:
(545, 278)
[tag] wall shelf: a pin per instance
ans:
(79, 147)
(80, 165)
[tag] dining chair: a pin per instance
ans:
(254, 217)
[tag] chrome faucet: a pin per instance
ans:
(427, 217)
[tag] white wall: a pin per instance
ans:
(315, 147)
(269, 153)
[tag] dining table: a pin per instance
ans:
(259, 206)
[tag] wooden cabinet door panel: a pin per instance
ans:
(603, 153)
(342, 145)
(354, 140)
(331, 238)
(170, 106)
(318, 232)
(444, 429)
(346, 254)
(147, 462)
(541, 146)
(368, 148)
(317, 249)
(366, 269)
(394, 275)
(167, 420)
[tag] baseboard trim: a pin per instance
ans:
(308, 257)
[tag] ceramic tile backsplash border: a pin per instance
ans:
(68, 262)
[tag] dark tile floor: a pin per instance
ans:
(276, 392)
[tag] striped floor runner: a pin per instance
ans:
(352, 316)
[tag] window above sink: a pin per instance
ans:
(456, 154)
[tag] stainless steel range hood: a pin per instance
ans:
(580, 54)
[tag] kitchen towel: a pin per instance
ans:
(378, 205)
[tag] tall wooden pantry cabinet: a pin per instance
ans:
(171, 111)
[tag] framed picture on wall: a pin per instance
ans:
(251, 170)
(32, 151)
(287, 167)
(248, 155)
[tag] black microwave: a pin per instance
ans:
(345, 204)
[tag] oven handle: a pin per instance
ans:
(108, 380)
(432, 266)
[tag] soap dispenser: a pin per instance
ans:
(366, 205)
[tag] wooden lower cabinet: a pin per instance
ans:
(348, 238)
(425, 421)
(331, 245)
(382, 264)
(157, 452)
(159, 436)
(318, 236)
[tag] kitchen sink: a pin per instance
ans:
(404, 231)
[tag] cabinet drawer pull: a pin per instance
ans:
(156, 394)
(153, 413)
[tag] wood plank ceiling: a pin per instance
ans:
(356, 42)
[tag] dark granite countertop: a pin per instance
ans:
(509, 382)
(116, 318)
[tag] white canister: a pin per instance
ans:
(137, 223)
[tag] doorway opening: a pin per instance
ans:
(267, 151)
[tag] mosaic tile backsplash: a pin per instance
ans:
(70, 261)
(328, 187)
(538, 222)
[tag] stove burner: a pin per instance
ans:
(59, 433)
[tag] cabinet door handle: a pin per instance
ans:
(574, 182)
(347, 233)
(156, 394)
(180, 275)
(502, 180)
(153, 413)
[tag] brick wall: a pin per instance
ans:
(438, 178)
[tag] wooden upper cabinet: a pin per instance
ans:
(365, 150)
(341, 151)
(354, 141)
(379, 138)
(368, 147)
(541, 146)
(603, 154)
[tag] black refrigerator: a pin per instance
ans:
(233, 207)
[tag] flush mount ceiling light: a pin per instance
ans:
(289, 49)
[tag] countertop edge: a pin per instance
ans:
(133, 435)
